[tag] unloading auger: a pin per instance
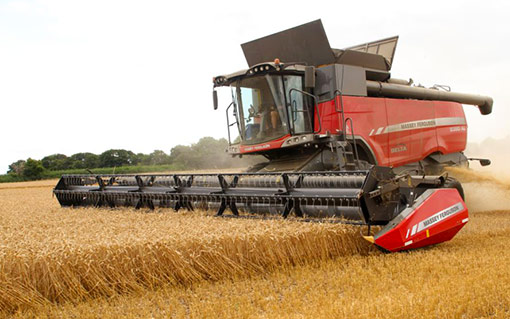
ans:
(363, 197)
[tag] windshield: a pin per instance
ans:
(264, 103)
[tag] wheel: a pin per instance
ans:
(451, 182)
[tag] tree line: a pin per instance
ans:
(207, 153)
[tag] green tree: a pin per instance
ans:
(206, 153)
(159, 157)
(84, 160)
(17, 168)
(33, 169)
(180, 155)
(56, 162)
(143, 159)
(115, 158)
(210, 153)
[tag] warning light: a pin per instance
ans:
(276, 61)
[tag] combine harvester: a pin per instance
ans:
(344, 141)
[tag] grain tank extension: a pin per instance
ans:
(344, 142)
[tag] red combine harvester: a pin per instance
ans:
(344, 143)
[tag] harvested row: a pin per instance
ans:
(53, 255)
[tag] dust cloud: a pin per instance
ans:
(485, 195)
(487, 188)
(497, 150)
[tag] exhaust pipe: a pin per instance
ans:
(375, 88)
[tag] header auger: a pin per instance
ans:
(344, 141)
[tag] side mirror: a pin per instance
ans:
(485, 162)
(215, 99)
(309, 77)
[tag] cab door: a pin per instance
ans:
(298, 105)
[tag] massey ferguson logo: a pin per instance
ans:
(258, 147)
(434, 219)
(418, 124)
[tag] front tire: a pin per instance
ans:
(451, 182)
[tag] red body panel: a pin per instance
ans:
(402, 131)
(452, 138)
(434, 220)
(397, 131)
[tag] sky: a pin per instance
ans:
(88, 76)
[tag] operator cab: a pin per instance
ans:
(270, 107)
(269, 102)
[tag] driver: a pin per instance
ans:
(275, 118)
(268, 119)
(275, 122)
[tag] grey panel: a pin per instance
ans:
(349, 80)
(385, 47)
(305, 43)
(377, 75)
(325, 82)
(366, 60)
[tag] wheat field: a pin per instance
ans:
(102, 263)
(49, 254)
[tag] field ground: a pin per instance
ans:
(61, 263)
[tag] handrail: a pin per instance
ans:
(353, 139)
(228, 122)
(294, 110)
(339, 93)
